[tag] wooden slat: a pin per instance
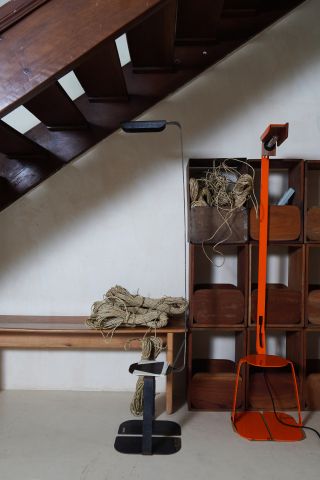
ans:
(54, 38)
(151, 43)
(15, 145)
(197, 20)
(56, 109)
(101, 75)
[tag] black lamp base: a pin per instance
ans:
(148, 436)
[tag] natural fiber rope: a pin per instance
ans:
(151, 348)
(121, 308)
(226, 189)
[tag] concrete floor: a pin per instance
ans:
(70, 436)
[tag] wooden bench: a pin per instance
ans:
(46, 332)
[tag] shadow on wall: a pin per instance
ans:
(222, 112)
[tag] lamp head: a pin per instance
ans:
(273, 136)
(144, 126)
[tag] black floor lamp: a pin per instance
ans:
(150, 436)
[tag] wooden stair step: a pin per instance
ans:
(15, 145)
(55, 38)
(56, 110)
(101, 75)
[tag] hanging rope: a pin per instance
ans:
(226, 189)
(151, 348)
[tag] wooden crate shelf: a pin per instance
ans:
(211, 380)
(312, 285)
(293, 294)
(212, 301)
(285, 222)
(312, 201)
(206, 223)
(312, 369)
(284, 301)
(287, 343)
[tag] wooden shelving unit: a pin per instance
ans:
(312, 201)
(227, 308)
(312, 368)
(285, 301)
(211, 378)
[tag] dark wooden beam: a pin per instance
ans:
(151, 43)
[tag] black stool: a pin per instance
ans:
(148, 436)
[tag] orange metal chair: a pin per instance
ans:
(266, 425)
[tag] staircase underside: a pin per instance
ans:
(170, 42)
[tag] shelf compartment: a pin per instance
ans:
(312, 293)
(214, 304)
(285, 222)
(284, 296)
(212, 380)
(312, 369)
(312, 201)
(212, 386)
(205, 222)
(288, 344)
(218, 291)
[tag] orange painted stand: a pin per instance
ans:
(266, 425)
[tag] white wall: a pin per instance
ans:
(115, 215)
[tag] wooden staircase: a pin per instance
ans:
(170, 42)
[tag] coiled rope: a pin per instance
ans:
(121, 308)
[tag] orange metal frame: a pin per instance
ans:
(266, 425)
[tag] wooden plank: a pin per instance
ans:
(101, 75)
(197, 20)
(72, 324)
(56, 109)
(45, 339)
(151, 43)
(14, 144)
(284, 223)
(55, 38)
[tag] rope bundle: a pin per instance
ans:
(222, 187)
(121, 308)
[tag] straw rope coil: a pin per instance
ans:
(121, 308)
